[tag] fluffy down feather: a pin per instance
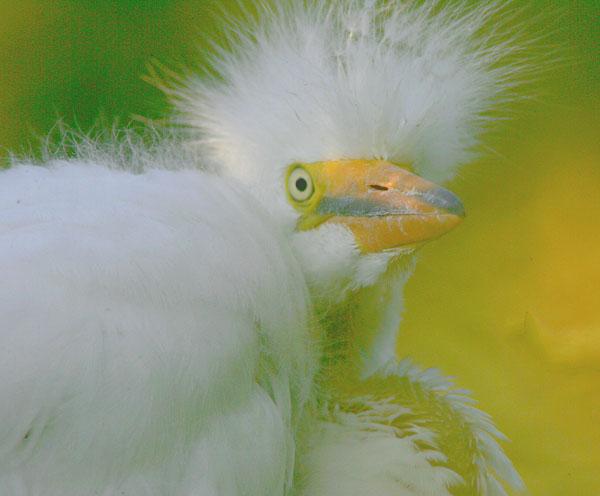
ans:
(412, 82)
(137, 314)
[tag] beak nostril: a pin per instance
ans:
(378, 187)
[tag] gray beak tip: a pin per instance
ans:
(446, 200)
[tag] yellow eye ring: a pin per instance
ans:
(300, 185)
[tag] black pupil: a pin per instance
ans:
(301, 184)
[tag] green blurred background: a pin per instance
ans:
(509, 303)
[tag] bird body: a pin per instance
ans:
(198, 319)
(125, 343)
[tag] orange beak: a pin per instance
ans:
(384, 205)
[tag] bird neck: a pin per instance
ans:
(359, 334)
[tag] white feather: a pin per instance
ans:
(412, 82)
(350, 458)
(137, 312)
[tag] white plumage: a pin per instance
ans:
(132, 332)
(168, 329)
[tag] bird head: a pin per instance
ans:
(383, 205)
(358, 215)
(343, 120)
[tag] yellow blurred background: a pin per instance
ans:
(508, 304)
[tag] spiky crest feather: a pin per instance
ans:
(409, 82)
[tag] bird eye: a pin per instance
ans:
(300, 185)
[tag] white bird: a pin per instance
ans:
(216, 316)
